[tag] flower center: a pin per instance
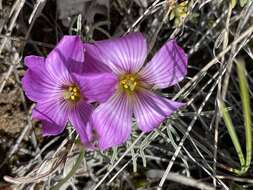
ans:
(129, 82)
(72, 93)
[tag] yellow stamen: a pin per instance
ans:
(128, 82)
(72, 93)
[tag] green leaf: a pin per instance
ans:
(244, 93)
(232, 134)
(243, 2)
(172, 15)
(233, 2)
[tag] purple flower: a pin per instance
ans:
(62, 93)
(124, 58)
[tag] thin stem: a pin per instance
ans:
(118, 161)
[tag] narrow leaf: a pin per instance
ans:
(232, 133)
(233, 2)
(244, 93)
(243, 2)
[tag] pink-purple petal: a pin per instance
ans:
(66, 57)
(37, 83)
(57, 70)
(34, 62)
(123, 55)
(93, 60)
(51, 128)
(79, 117)
(53, 114)
(37, 88)
(70, 51)
(150, 109)
(112, 121)
(167, 67)
(97, 87)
